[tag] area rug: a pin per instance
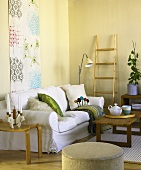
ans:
(132, 154)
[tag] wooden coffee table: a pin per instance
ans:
(4, 126)
(133, 132)
(127, 122)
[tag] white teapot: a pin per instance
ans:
(115, 110)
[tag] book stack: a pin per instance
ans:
(136, 106)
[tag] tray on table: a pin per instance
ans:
(122, 116)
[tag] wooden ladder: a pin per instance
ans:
(98, 65)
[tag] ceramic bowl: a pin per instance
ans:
(126, 109)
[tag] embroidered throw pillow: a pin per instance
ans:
(51, 102)
(81, 101)
(73, 92)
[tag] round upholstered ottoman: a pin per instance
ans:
(92, 156)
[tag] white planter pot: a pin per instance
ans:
(132, 89)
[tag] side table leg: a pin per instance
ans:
(129, 133)
(140, 126)
(27, 138)
(98, 132)
(114, 129)
(39, 129)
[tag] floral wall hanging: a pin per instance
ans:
(24, 44)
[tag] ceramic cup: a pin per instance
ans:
(126, 109)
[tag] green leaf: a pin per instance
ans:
(135, 74)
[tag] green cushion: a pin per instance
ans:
(51, 102)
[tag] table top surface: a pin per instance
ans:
(5, 126)
(116, 122)
(131, 96)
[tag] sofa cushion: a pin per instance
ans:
(99, 101)
(73, 92)
(79, 116)
(51, 102)
(69, 121)
(66, 124)
(25, 95)
(55, 92)
(58, 95)
(35, 104)
(3, 104)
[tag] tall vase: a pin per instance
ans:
(132, 89)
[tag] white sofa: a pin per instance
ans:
(57, 132)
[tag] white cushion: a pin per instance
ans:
(79, 116)
(55, 92)
(73, 92)
(67, 123)
(25, 95)
(99, 101)
(70, 120)
(3, 104)
(58, 95)
(35, 104)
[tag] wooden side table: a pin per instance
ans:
(4, 126)
(115, 122)
(115, 131)
(125, 99)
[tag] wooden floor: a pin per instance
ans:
(15, 160)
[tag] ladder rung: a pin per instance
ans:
(104, 92)
(105, 63)
(104, 77)
(105, 49)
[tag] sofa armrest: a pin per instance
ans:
(47, 120)
(53, 121)
(96, 101)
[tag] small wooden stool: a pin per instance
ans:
(92, 155)
(4, 126)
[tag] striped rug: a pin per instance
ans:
(132, 154)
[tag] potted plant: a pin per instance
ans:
(135, 75)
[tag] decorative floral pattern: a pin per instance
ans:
(30, 51)
(14, 36)
(33, 2)
(24, 44)
(81, 101)
(35, 80)
(14, 8)
(34, 25)
(16, 69)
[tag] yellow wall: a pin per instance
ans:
(4, 50)
(103, 17)
(62, 47)
(54, 39)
